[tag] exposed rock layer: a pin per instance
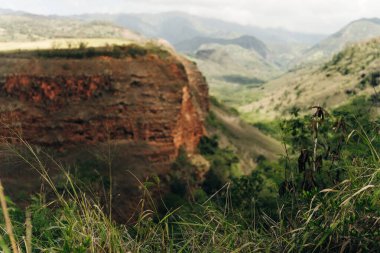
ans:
(62, 103)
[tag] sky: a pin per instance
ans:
(310, 16)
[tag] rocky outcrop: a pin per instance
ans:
(152, 99)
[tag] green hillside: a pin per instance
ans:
(350, 73)
(248, 142)
(232, 71)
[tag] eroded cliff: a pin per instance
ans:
(120, 112)
(152, 98)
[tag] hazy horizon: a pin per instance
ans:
(314, 16)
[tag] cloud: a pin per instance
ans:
(322, 16)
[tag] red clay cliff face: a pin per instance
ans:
(62, 103)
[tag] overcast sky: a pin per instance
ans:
(313, 16)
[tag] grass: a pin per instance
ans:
(341, 218)
(73, 221)
(246, 214)
(344, 217)
(8, 223)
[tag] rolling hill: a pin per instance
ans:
(232, 71)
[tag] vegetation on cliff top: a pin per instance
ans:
(83, 51)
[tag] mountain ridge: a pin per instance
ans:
(355, 31)
(245, 41)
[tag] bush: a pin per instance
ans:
(208, 146)
(245, 190)
(224, 164)
(182, 176)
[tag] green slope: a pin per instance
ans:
(232, 71)
(352, 72)
(248, 141)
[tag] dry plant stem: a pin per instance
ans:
(28, 232)
(315, 147)
(109, 164)
(287, 157)
(109, 161)
(7, 219)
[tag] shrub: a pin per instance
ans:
(224, 164)
(245, 190)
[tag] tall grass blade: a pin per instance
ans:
(7, 219)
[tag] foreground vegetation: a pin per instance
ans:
(323, 196)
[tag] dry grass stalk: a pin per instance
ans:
(28, 232)
(7, 219)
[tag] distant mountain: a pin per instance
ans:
(247, 42)
(22, 27)
(186, 32)
(356, 31)
(8, 11)
(182, 29)
(177, 26)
